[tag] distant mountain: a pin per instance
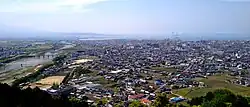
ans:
(80, 34)
(7, 32)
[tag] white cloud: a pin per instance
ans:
(48, 6)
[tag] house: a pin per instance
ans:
(159, 82)
(67, 90)
(145, 101)
(176, 99)
(167, 90)
(136, 97)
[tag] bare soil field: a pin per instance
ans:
(47, 82)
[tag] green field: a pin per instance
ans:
(37, 49)
(214, 82)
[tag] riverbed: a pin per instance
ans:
(32, 61)
(25, 62)
(21, 67)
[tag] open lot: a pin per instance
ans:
(82, 61)
(213, 83)
(47, 82)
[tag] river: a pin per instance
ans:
(24, 62)
(32, 61)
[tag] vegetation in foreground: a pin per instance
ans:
(220, 98)
(15, 97)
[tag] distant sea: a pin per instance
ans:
(185, 37)
(93, 36)
(219, 36)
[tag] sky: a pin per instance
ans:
(127, 16)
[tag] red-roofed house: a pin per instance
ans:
(145, 101)
(136, 97)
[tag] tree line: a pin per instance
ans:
(221, 98)
(15, 97)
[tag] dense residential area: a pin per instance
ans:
(125, 53)
(135, 73)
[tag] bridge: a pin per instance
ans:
(47, 55)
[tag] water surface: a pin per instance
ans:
(25, 62)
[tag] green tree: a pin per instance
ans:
(196, 101)
(218, 102)
(15, 97)
(161, 100)
(59, 59)
(120, 104)
(80, 70)
(77, 102)
(209, 96)
(240, 102)
(137, 104)
(102, 102)
(55, 86)
(220, 98)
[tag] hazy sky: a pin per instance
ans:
(128, 16)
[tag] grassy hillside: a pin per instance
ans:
(214, 82)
